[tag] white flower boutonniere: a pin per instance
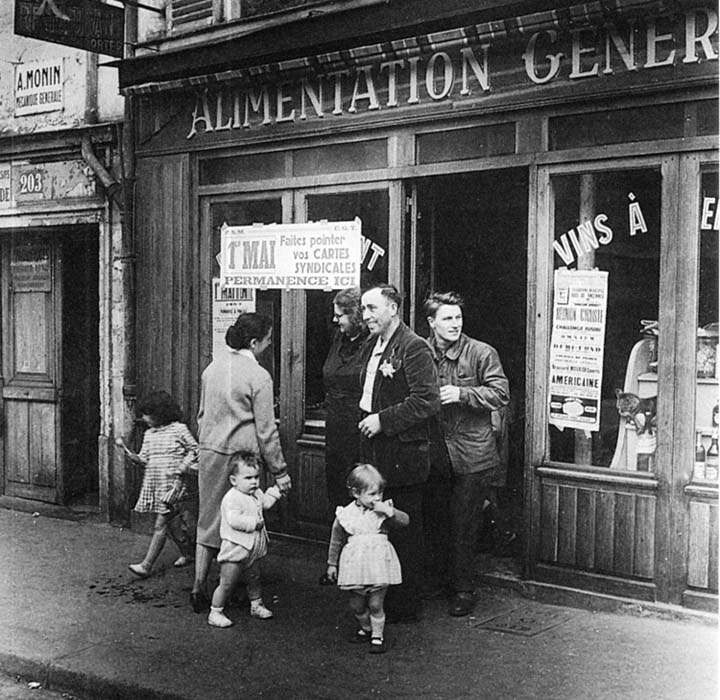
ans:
(387, 369)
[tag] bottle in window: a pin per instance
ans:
(716, 408)
(699, 469)
(712, 458)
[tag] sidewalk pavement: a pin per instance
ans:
(73, 617)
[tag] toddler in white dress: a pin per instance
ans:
(361, 559)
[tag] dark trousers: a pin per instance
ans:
(453, 511)
(404, 600)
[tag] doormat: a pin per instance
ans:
(527, 621)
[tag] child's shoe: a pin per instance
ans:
(377, 645)
(139, 570)
(361, 636)
(217, 618)
(183, 561)
(257, 609)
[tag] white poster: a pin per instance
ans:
(320, 255)
(39, 87)
(577, 347)
(228, 304)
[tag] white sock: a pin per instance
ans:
(377, 622)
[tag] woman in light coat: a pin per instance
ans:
(236, 413)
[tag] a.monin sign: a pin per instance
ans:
(464, 72)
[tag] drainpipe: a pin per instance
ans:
(111, 185)
(120, 498)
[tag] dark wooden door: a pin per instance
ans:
(31, 341)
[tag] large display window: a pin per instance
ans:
(705, 469)
(602, 375)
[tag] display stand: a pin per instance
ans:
(638, 380)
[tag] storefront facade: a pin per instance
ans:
(63, 277)
(482, 157)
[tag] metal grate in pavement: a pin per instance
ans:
(526, 620)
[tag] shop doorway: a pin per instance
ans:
(50, 352)
(470, 233)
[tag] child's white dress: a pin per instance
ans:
(368, 558)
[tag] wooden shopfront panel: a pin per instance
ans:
(168, 280)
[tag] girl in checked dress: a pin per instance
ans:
(361, 559)
(168, 452)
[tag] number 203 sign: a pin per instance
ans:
(26, 182)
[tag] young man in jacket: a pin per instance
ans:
(472, 386)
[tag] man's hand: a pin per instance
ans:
(284, 483)
(331, 573)
(449, 394)
(370, 426)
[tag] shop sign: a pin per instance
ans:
(91, 25)
(321, 255)
(30, 268)
(577, 348)
(228, 304)
(463, 72)
(39, 87)
(22, 182)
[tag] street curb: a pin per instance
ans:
(87, 685)
(555, 594)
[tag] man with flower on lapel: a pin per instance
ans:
(400, 396)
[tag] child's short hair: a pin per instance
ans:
(363, 476)
(161, 407)
(249, 459)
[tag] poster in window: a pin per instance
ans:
(577, 348)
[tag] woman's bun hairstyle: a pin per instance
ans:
(247, 327)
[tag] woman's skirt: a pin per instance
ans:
(213, 483)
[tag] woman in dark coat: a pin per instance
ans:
(341, 378)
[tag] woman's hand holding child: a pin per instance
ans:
(331, 573)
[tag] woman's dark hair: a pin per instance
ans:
(161, 407)
(348, 301)
(247, 327)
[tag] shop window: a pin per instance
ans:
(618, 126)
(708, 369)
(603, 361)
(372, 209)
(340, 157)
(244, 213)
(245, 168)
(462, 144)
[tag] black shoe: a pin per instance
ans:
(377, 645)
(199, 602)
(361, 636)
(462, 604)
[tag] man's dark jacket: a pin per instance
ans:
(405, 395)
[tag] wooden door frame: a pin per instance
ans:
(51, 388)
